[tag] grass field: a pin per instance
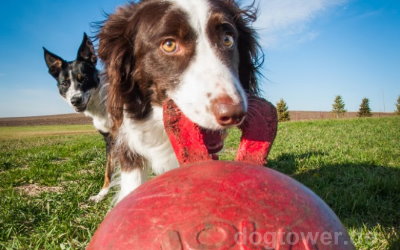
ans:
(47, 174)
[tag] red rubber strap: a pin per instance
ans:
(258, 133)
(187, 138)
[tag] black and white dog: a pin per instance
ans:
(202, 54)
(80, 85)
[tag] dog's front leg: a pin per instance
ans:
(107, 181)
(109, 170)
(133, 172)
(130, 180)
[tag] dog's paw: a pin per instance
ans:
(97, 198)
(100, 196)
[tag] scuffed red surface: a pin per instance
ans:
(221, 205)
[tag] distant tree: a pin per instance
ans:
(338, 106)
(364, 110)
(398, 106)
(282, 109)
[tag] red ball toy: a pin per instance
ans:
(221, 205)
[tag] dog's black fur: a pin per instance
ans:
(79, 84)
(80, 74)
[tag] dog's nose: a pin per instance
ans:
(227, 112)
(76, 100)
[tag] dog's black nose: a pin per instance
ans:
(76, 100)
(227, 112)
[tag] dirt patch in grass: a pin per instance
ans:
(35, 189)
(86, 172)
(60, 160)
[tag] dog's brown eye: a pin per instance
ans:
(79, 77)
(228, 41)
(169, 46)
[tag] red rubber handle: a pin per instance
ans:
(258, 132)
(189, 141)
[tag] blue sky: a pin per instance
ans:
(315, 50)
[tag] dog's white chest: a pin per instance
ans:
(102, 124)
(148, 138)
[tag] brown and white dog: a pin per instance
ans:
(202, 54)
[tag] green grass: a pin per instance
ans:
(354, 165)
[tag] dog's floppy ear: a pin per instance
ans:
(53, 62)
(116, 50)
(250, 54)
(86, 51)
